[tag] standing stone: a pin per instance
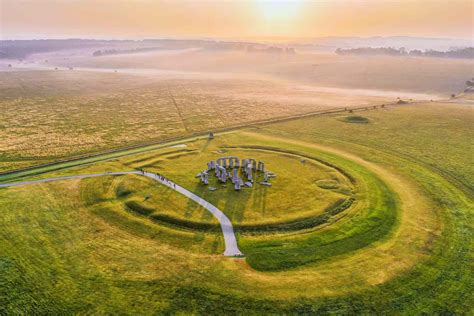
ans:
(205, 177)
(224, 176)
(235, 175)
(211, 165)
(222, 173)
(254, 163)
(249, 172)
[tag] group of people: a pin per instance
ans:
(162, 178)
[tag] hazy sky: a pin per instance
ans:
(234, 19)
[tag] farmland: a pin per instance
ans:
(51, 115)
(51, 112)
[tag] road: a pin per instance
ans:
(231, 247)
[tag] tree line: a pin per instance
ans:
(467, 52)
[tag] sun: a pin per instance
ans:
(275, 10)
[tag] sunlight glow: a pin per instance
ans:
(274, 10)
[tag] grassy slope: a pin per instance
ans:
(423, 266)
(432, 143)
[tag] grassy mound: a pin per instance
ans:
(299, 224)
(327, 184)
(123, 191)
(356, 119)
(138, 208)
(185, 224)
(374, 221)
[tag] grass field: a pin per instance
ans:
(402, 245)
(48, 115)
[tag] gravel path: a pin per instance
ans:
(231, 247)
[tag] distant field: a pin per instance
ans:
(124, 244)
(326, 69)
(121, 100)
(48, 115)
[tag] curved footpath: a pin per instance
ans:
(231, 247)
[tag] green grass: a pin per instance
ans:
(439, 142)
(404, 245)
(17, 176)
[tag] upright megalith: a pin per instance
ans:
(253, 162)
(235, 175)
(230, 162)
(211, 165)
(234, 162)
(249, 172)
(205, 177)
(222, 173)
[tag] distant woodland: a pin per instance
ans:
(467, 52)
(20, 49)
(105, 52)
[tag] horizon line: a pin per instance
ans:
(229, 38)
